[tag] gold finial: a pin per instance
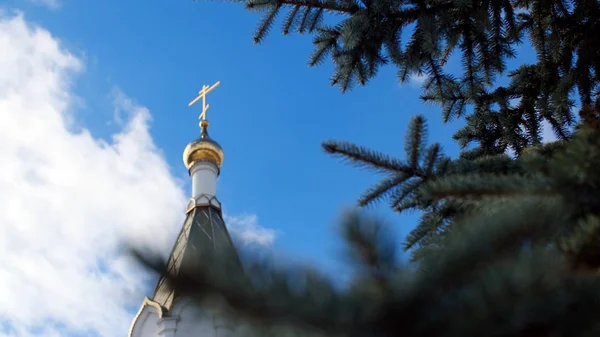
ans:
(203, 148)
(204, 127)
(202, 95)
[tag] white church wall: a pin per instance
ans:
(193, 321)
(204, 178)
(146, 322)
(184, 320)
(224, 327)
(167, 326)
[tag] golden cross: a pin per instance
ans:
(202, 95)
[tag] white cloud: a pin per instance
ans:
(245, 230)
(69, 200)
(417, 80)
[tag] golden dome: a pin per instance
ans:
(203, 148)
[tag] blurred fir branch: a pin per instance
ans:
(521, 261)
(495, 276)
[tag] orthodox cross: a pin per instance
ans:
(202, 95)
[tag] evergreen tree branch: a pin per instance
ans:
(484, 273)
(415, 141)
(487, 185)
(382, 189)
(332, 6)
(363, 157)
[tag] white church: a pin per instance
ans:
(166, 313)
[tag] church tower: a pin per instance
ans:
(166, 313)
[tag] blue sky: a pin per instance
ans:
(270, 114)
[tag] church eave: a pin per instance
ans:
(147, 303)
(203, 200)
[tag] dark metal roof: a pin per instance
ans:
(203, 233)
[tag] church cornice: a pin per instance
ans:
(147, 303)
(203, 200)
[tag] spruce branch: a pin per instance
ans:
(266, 23)
(370, 247)
(582, 245)
(401, 186)
(484, 272)
(382, 189)
(291, 20)
(363, 157)
(415, 141)
(326, 42)
(319, 4)
(405, 196)
(431, 226)
(487, 185)
(431, 159)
